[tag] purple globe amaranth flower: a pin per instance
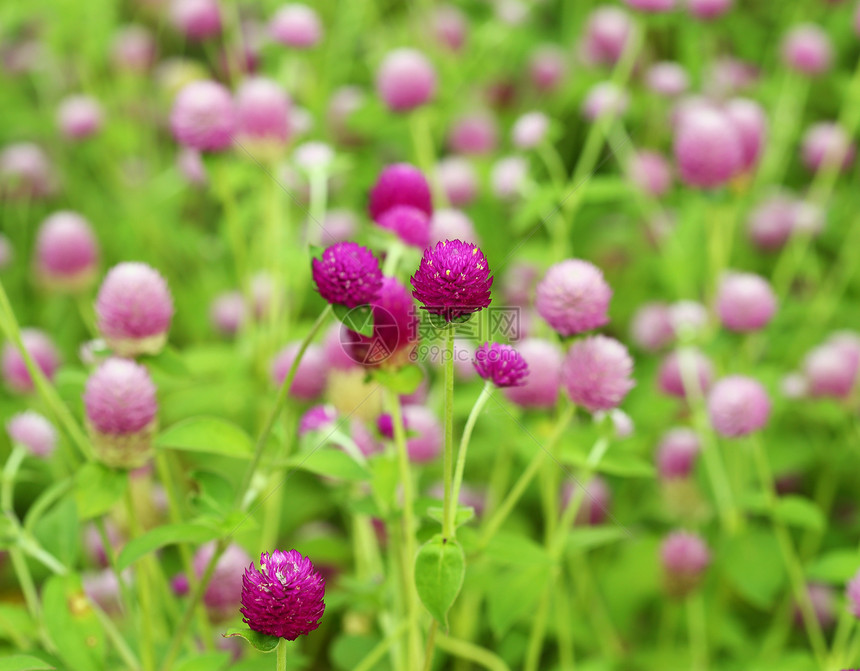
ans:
(827, 143)
(547, 67)
(399, 184)
(395, 328)
(520, 282)
(530, 130)
(539, 389)
(654, 6)
(573, 297)
(197, 20)
(225, 590)
(474, 134)
(501, 364)
(650, 172)
(314, 157)
(852, 591)
(317, 418)
(103, 589)
(453, 280)
(594, 508)
(310, 379)
(509, 178)
(26, 172)
(344, 102)
(667, 78)
(447, 224)
(651, 328)
(674, 381)
(228, 312)
(284, 597)
(134, 309)
(339, 225)
(409, 223)
(66, 252)
(204, 116)
(688, 318)
(738, 406)
(347, 274)
(807, 49)
(597, 373)
(677, 452)
(684, 557)
(608, 32)
(428, 434)
(823, 600)
(751, 123)
(457, 179)
(830, 371)
(133, 49)
(79, 117)
(297, 26)
(708, 9)
(771, 222)
(745, 302)
(708, 148)
(262, 110)
(605, 99)
(405, 80)
(121, 413)
(34, 432)
(40, 348)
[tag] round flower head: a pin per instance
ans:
(262, 116)
(520, 282)
(133, 49)
(203, 116)
(852, 591)
(508, 177)
(708, 148)
(688, 318)
(684, 557)
(652, 328)
(228, 312)
(677, 452)
(284, 597)
(318, 418)
(409, 223)
(457, 179)
(34, 432)
(451, 225)
(651, 5)
(313, 157)
(338, 226)
(399, 184)
(309, 381)
(547, 67)
(594, 508)
(450, 27)
(650, 172)
(224, 592)
(745, 302)
(103, 589)
(729, 76)
(121, 413)
(25, 172)
(66, 252)
(530, 130)
(607, 34)
(40, 349)
(196, 19)
(770, 224)
(597, 373)
(605, 99)
(405, 80)
(738, 406)
(573, 297)
(830, 370)
(347, 274)
(671, 380)
(428, 435)
(826, 143)
(296, 26)
(344, 102)
(473, 134)
(708, 9)
(667, 78)
(453, 280)
(79, 117)
(807, 49)
(501, 364)
(134, 309)
(539, 389)
(751, 123)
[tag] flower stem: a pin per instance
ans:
(448, 457)
(143, 592)
(282, 655)
(535, 644)
(431, 645)
(697, 631)
(470, 651)
(464, 446)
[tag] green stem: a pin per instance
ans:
(563, 625)
(448, 457)
(282, 655)
(378, 652)
(538, 631)
(477, 654)
(116, 638)
(431, 645)
(697, 631)
(147, 653)
(464, 445)
(422, 144)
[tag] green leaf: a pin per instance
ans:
(330, 462)
(57, 532)
(169, 362)
(159, 537)
(211, 661)
(97, 489)
(440, 568)
(72, 624)
(16, 625)
(522, 590)
(799, 512)
(835, 568)
(585, 538)
(515, 549)
(214, 493)
(316, 251)
(209, 435)
(403, 380)
(752, 564)
(263, 642)
(461, 516)
(24, 663)
(358, 319)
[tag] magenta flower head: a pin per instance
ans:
(830, 371)
(547, 67)
(605, 99)
(284, 597)
(405, 80)
(751, 123)
(228, 312)
(708, 9)
(450, 27)
(771, 222)
(594, 508)
(296, 26)
(573, 297)
(684, 557)
(197, 20)
(509, 177)
(667, 78)
(34, 432)
(673, 382)
(347, 274)
(318, 418)
(399, 184)
(852, 591)
(447, 224)
(745, 302)
(203, 116)
(474, 134)
(79, 117)
(826, 143)
(607, 33)
(597, 373)
(738, 406)
(651, 328)
(453, 280)
(66, 252)
(457, 179)
(339, 225)
(650, 172)
(807, 49)
(708, 148)
(121, 413)
(43, 353)
(500, 364)
(224, 592)
(26, 172)
(134, 309)
(133, 49)
(425, 443)
(262, 116)
(539, 389)
(653, 6)
(408, 223)
(530, 130)
(677, 452)
(310, 379)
